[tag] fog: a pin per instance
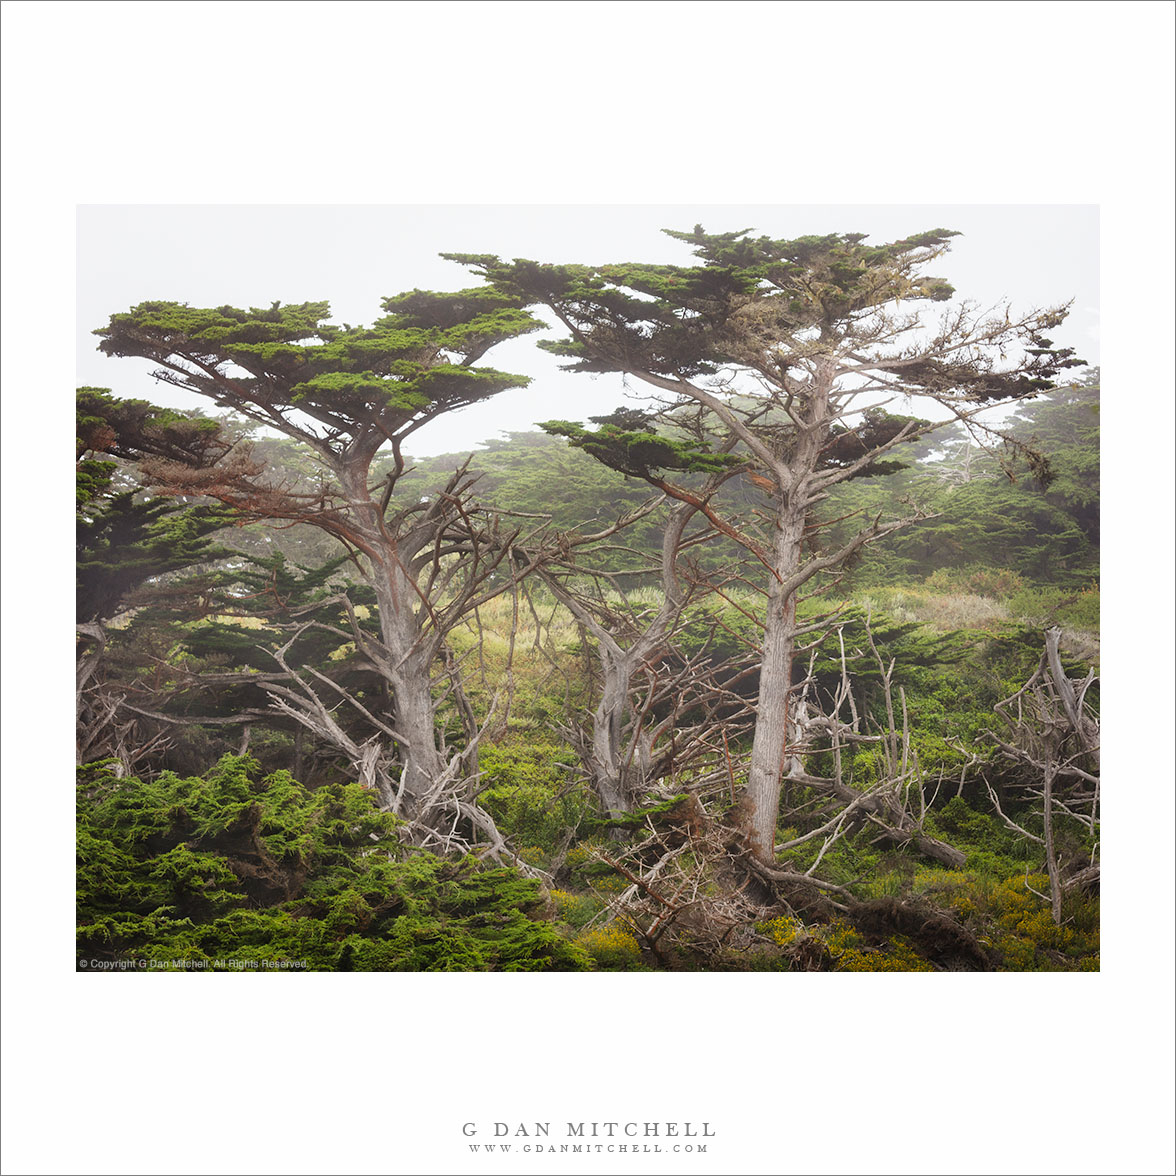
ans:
(353, 255)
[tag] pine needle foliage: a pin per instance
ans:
(234, 869)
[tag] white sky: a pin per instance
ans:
(898, 102)
(353, 255)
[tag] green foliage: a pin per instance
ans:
(721, 627)
(979, 833)
(1078, 609)
(613, 948)
(206, 643)
(124, 540)
(838, 946)
(1065, 426)
(530, 790)
(989, 521)
(848, 445)
(1016, 924)
(93, 480)
(640, 452)
(978, 579)
(685, 321)
(131, 429)
(991, 512)
(928, 666)
(848, 861)
(251, 596)
(951, 681)
(237, 869)
(576, 910)
(849, 952)
(413, 364)
(585, 869)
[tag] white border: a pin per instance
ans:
(521, 102)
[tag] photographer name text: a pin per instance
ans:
(604, 1130)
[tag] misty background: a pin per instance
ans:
(354, 255)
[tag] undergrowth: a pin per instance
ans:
(236, 868)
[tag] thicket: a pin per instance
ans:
(237, 869)
(241, 863)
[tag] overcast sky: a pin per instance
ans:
(353, 255)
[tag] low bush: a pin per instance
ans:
(239, 870)
(531, 791)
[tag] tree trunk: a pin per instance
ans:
(415, 717)
(608, 768)
(773, 717)
(406, 660)
(414, 710)
(618, 771)
(1084, 727)
(87, 726)
(774, 721)
(1051, 857)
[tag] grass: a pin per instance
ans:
(942, 611)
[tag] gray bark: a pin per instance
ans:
(613, 784)
(773, 728)
(428, 554)
(773, 718)
(1085, 727)
(1051, 857)
(409, 653)
(617, 753)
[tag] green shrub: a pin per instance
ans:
(1078, 608)
(530, 791)
(613, 948)
(575, 909)
(997, 583)
(238, 869)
